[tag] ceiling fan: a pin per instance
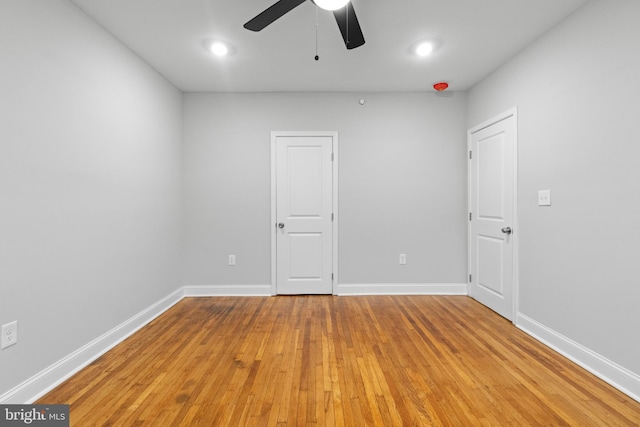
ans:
(345, 17)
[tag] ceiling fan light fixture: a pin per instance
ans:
(331, 4)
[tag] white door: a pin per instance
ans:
(492, 214)
(303, 213)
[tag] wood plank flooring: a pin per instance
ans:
(337, 361)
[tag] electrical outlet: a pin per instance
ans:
(403, 259)
(232, 260)
(544, 198)
(9, 334)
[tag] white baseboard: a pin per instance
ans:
(402, 289)
(46, 380)
(341, 289)
(610, 372)
(227, 290)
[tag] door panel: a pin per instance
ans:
(305, 256)
(492, 197)
(490, 267)
(490, 152)
(304, 181)
(304, 197)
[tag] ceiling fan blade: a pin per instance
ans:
(349, 26)
(272, 13)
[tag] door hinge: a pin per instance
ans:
(332, 217)
(332, 277)
(470, 278)
(470, 155)
(332, 157)
(470, 216)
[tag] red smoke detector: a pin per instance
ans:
(440, 86)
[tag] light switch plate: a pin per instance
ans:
(544, 198)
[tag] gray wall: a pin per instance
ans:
(578, 99)
(402, 185)
(90, 184)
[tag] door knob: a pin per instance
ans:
(281, 225)
(506, 230)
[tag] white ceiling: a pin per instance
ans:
(476, 37)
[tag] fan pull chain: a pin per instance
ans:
(316, 57)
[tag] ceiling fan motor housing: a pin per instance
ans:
(345, 17)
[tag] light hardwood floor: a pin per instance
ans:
(337, 361)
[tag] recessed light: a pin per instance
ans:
(219, 49)
(424, 49)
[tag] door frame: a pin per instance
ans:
(513, 112)
(274, 219)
